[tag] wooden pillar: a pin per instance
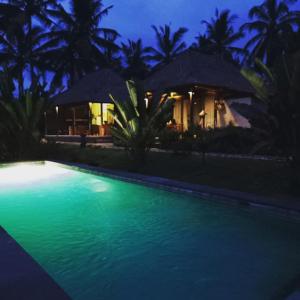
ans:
(57, 120)
(182, 107)
(74, 121)
(191, 124)
(89, 120)
(210, 110)
(102, 122)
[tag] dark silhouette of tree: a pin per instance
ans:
(77, 39)
(220, 35)
(136, 59)
(272, 22)
(20, 54)
(24, 12)
(278, 88)
(111, 50)
(168, 44)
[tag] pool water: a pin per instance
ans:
(101, 238)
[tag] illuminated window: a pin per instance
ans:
(107, 117)
(96, 113)
(100, 114)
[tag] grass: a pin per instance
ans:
(268, 178)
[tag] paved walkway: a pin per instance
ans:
(21, 278)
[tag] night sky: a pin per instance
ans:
(133, 18)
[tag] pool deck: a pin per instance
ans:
(21, 277)
(286, 205)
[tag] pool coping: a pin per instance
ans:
(209, 193)
(21, 277)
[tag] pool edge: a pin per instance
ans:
(210, 193)
(21, 276)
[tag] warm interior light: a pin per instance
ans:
(29, 173)
(95, 109)
(107, 117)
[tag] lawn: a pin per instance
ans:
(269, 178)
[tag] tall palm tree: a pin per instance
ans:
(111, 50)
(10, 16)
(136, 59)
(221, 35)
(203, 44)
(76, 39)
(28, 11)
(168, 45)
(271, 21)
(19, 54)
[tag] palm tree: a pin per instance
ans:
(272, 22)
(203, 44)
(76, 39)
(168, 45)
(27, 11)
(136, 124)
(136, 58)
(19, 54)
(10, 15)
(220, 35)
(111, 49)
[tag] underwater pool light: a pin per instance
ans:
(28, 173)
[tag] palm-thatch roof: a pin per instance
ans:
(192, 68)
(94, 87)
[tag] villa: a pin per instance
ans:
(205, 88)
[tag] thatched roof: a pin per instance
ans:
(94, 87)
(192, 68)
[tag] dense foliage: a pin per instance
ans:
(279, 89)
(39, 38)
(22, 119)
(137, 123)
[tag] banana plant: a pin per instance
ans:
(21, 117)
(25, 113)
(137, 123)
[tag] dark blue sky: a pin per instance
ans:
(133, 18)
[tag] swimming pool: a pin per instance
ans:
(102, 238)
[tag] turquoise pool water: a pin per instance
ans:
(101, 238)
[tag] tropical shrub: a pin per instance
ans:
(136, 124)
(21, 120)
(230, 140)
(168, 137)
(279, 90)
